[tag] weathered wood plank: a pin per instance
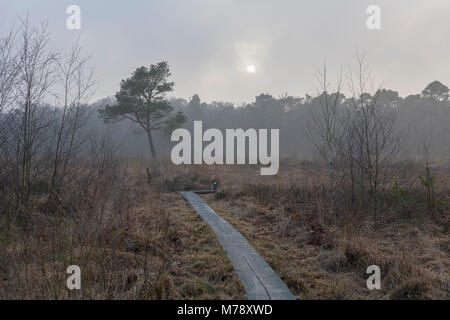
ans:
(258, 278)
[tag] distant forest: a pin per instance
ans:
(422, 116)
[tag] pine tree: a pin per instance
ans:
(141, 99)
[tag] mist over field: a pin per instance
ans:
(209, 57)
(318, 131)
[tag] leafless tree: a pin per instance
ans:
(8, 76)
(77, 86)
(8, 68)
(372, 141)
(325, 127)
(35, 75)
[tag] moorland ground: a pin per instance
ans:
(134, 237)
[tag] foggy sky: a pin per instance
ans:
(208, 44)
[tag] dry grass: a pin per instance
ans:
(138, 243)
(201, 268)
(323, 257)
(141, 241)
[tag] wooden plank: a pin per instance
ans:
(258, 278)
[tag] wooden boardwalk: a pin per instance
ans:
(259, 279)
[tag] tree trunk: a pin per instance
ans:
(331, 169)
(150, 143)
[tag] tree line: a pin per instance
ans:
(48, 123)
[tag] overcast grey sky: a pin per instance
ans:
(209, 44)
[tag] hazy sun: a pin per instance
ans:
(251, 69)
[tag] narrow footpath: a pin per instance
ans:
(259, 279)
